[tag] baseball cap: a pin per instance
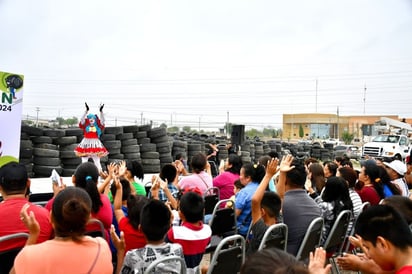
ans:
(14, 175)
(398, 166)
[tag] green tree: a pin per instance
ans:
(347, 137)
(228, 128)
(163, 125)
(72, 121)
(173, 129)
(253, 132)
(60, 121)
(186, 129)
(301, 132)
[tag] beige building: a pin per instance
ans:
(321, 125)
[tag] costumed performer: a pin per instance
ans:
(91, 146)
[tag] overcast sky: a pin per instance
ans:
(185, 62)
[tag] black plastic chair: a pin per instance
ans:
(166, 265)
(311, 240)
(211, 197)
(222, 223)
(229, 256)
(7, 257)
(279, 241)
(336, 239)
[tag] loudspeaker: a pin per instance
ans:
(238, 134)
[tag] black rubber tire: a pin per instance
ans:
(26, 153)
(25, 161)
(117, 156)
(71, 162)
(46, 161)
(113, 130)
(167, 159)
(164, 150)
(145, 127)
(26, 144)
(42, 152)
(132, 129)
(132, 156)
(114, 151)
(161, 139)
(150, 161)
(32, 131)
(46, 170)
(71, 147)
(54, 133)
(149, 155)
(130, 149)
(141, 134)
(129, 142)
(157, 132)
(68, 172)
(112, 144)
(42, 140)
(148, 147)
(151, 168)
(107, 137)
(124, 136)
(66, 140)
(67, 155)
(74, 132)
(143, 141)
(46, 146)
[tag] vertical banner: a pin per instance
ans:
(11, 107)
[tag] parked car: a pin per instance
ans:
(331, 141)
(350, 151)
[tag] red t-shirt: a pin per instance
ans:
(105, 214)
(11, 223)
(369, 194)
(407, 269)
(133, 238)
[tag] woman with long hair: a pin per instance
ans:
(369, 185)
(70, 251)
(225, 181)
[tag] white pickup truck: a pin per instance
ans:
(387, 146)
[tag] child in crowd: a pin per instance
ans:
(265, 209)
(128, 223)
(386, 238)
(236, 188)
(155, 222)
(193, 235)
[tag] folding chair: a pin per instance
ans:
(229, 256)
(364, 206)
(222, 223)
(167, 265)
(336, 239)
(95, 228)
(211, 197)
(7, 256)
(278, 241)
(311, 240)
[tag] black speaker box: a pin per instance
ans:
(238, 134)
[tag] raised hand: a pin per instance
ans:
(272, 166)
(286, 162)
(87, 106)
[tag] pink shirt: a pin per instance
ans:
(202, 181)
(225, 183)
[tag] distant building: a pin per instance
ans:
(321, 125)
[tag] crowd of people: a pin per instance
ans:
(141, 227)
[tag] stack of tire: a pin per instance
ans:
(179, 147)
(129, 145)
(223, 153)
(163, 143)
(193, 148)
(46, 153)
(326, 152)
(148, 154)
(67, 144)
(26, 147)
(258, 150)
(316, 151)
(112, 144)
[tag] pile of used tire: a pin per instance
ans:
(44, 149)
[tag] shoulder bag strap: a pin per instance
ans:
(95, 259)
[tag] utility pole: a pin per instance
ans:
(141, 118)
(337, 124)
(199, 123)
(37, 117)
